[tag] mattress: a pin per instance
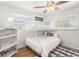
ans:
(43, 44)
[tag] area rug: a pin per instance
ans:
(61, 51)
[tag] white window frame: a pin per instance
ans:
(17, 23)
(76, 19)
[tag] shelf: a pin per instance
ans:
(7, 47)
(6, 32)
(9, 54)
(8, 42)
(7, 36)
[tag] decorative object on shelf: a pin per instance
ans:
(39, 18)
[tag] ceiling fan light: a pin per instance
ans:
(50, 8)
(50, 3)
(53, 8)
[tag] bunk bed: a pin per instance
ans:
(46, 44)
(43, 44)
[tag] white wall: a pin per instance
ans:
(6, 11)
(70, 37)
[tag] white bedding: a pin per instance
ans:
(43, 44)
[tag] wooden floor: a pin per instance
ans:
(25, 52)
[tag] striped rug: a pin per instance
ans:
(61, 51)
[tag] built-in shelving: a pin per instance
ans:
(8, 42)
(7, 36)
(6, 47)
(9, 53)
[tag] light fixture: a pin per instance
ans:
(50, 6)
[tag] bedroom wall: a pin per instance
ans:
(6, 11)
(69, 37)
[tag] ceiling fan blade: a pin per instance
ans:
(40, 7)
(45, 11)
(61, 2)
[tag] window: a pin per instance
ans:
(18, 21)
(68, 22)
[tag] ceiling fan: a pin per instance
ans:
(51, 5)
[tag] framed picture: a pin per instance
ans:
(38, 18)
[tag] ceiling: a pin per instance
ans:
(28, 5)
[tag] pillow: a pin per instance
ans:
(50, 34)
